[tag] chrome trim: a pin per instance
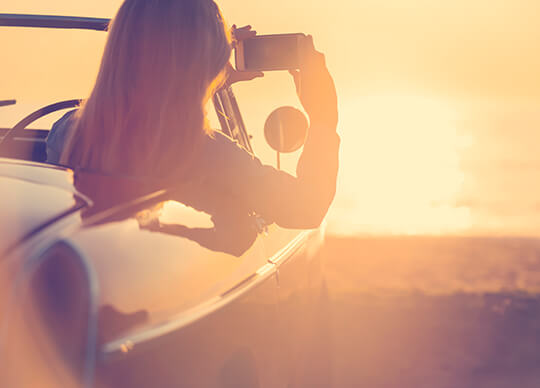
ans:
(240, 284)
(284, 253)
(265, 269)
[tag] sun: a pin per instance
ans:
(400, 163)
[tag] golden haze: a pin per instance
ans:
(424, 91)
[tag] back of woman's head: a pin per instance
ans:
(145, 115)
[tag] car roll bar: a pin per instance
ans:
(53, 21)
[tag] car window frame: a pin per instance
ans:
(230, 117)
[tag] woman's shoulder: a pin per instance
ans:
(226, 157)
(63, 121)
(57, 136)
(220, 144)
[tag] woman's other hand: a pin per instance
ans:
(315, 87)
(234, 75)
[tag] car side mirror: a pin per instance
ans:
(285, 130)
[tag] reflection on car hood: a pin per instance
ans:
(33, 195)
(36, 195)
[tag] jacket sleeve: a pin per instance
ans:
(300, 201)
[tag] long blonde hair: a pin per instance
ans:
(146, 113)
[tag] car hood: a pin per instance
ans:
(33, 195)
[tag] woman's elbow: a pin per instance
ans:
(314, 217)
(312, 223)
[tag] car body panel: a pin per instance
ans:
(25, 189)
(161, 274)
(45, 174)
(211, 308)
(235, 345)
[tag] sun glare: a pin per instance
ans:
(400, 168)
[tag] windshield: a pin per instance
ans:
(43, 66)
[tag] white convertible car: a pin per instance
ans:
(149, 286)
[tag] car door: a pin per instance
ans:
(228, 335)
(186, 298)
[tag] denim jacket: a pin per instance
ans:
(57, 137)
(289, 201)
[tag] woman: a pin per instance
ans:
(145, 117)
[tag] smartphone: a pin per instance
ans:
(269, 52)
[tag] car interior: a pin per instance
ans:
(20, 142)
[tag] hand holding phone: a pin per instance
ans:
(239, 35)
(296, 53)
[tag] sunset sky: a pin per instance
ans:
(439, 101)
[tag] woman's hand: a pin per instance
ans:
(234, 75)
(315, 87)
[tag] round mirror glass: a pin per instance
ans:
(285, 129)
